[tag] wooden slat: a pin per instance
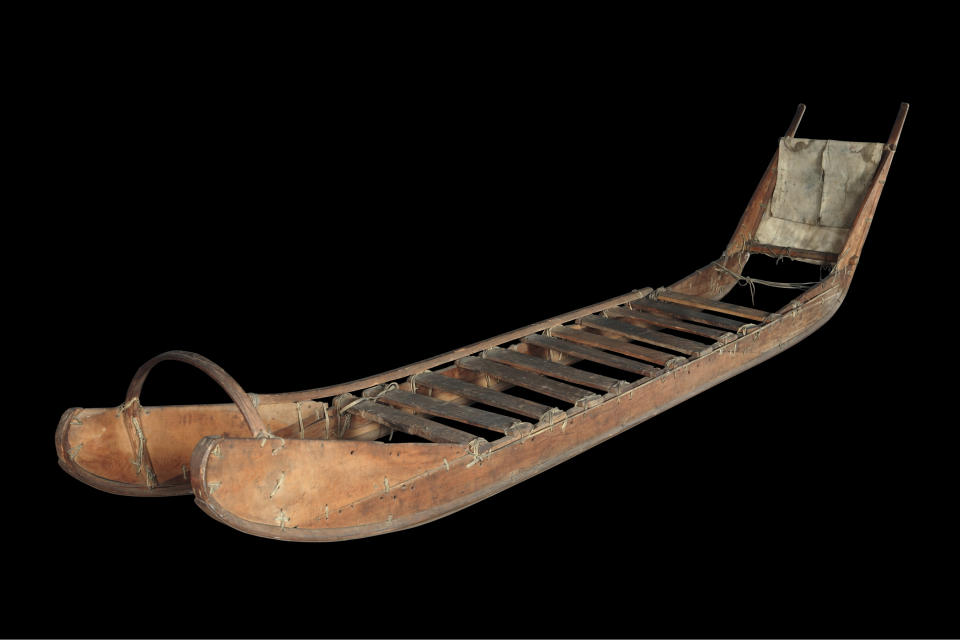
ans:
(687, 313)
(790, 252)
(525, 379)
(461, 413)
(528, 362)
(611, 344)
(713, 305)
(650, 336)
(669, 323)
(592, 354)
(475, 392)
(409, 423)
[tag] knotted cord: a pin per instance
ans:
(345, 417)
(743, 280)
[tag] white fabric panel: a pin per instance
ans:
(786, 233)
(799, 188)
(848, 168)
(820, 186)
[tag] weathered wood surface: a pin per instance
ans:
(532, 381)
(459, 412)
(409, 423)
(592, 354)
(756, 315)
(649, 336)
(92, 443)
(483, 395)
(820, 257)
(688, 314)
(668, 323)
(551, 369)
(623, 347)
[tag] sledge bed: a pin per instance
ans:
(322, 464)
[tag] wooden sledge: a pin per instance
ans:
(321, 464)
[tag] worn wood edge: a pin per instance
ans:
(793, 253)
(749, 314)
(709, 282)
(169, 488)
(61, 441)
(849, 255)
(209, 505)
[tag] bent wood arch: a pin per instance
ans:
(132, 410)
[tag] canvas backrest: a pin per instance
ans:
(820, 187)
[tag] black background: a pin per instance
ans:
(306, 219)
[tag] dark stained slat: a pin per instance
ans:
(410, 423)
(687, 313)
(650, 336)
(669, 323)
(697, 302)
(459, 412)
(528, 362)
(592, 354)
(525, 379)
(475, 392)
(789, 252)
(611, 344)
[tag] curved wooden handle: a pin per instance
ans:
(215, 371)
